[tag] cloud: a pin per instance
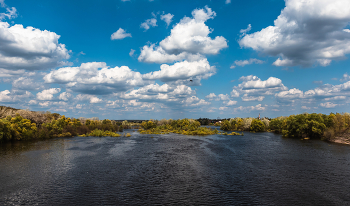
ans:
(11, 13)
(234, 93)
(15, 96)
(245, 31)
(4, 96)
(325, 92)
(317, 82)
(152, 54)
(167, 18)
(149, 23)
(255, 89)
(86, 97)
(271, 82)
(258, 107)
(345, 77)
(30, 48)
(210, 96)
(2, 3)
(223, 97)
(305, 33)
(247, 98)
(164, 96)
(131, 53)
(290, 95)
(230, 103)
(242, 63)
(185, 70)
(47, 94)
(96, 78)
(11, 73)
(65, 96)
(25, 83)
(188, 40)
(120, 34)
(227, 1)
(328, 105)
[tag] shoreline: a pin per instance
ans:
(341, 140)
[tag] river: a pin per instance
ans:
(172, 169)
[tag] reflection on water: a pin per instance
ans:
(171, 169)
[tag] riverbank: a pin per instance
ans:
(342, 139)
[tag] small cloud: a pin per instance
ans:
(167, 18)
(328, 105)
(120, 34)
(149, 23)
(81, 53)
(131, 53)
(345, 77)
(228, 2)
(10, 14)
(2, 3)
(288, 69)
(210, 96)
(317, 82)
(334, 79)
(230, 103)
(244, 31)
(242, 63)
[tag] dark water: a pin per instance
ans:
(255, 169)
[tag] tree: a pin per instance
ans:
(225, 125)
(257, 126)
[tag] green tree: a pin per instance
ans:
(257, 126)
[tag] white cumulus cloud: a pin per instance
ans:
(47, 94)
(188, 40)
(30, 48)
(120, 34)
(305, 33)
(149, 23)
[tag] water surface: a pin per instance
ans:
(255, 169)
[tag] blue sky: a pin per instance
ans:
(142, 59)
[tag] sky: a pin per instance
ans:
(155, 59)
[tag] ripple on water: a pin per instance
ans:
(255, 169)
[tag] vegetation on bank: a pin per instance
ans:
(181, 126)
(314, 126)
(19, 128)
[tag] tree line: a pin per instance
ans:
(19, 128)
(315, 126)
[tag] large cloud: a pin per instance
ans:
(327, 92)
(254, 89)
(14, 96)
(96, 78)
(166, 96)
(30, 48)
(191, 71)
(304, 33)
(188, 39)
